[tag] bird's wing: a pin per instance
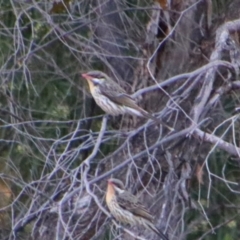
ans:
(124, 100)
(118, 96)
(129, 202)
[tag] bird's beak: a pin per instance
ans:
(109, 181)
(86, 76)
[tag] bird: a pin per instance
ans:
(126, 208)
(112, 98)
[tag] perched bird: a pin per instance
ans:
(112, 98)
(126, 208)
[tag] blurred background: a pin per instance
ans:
(179, 59)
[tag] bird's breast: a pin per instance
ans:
(110, 194)
(105, 103)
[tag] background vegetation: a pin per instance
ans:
(179, 59)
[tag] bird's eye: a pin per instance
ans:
(118, 185)
(96, 75)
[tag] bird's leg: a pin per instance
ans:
(106, 116)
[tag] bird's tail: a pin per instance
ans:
(157, 231)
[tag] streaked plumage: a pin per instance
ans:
(111, 97)
(126, 208)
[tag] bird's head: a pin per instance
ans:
(96, 77)
(117, 185)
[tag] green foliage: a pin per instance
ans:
(49, 123)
